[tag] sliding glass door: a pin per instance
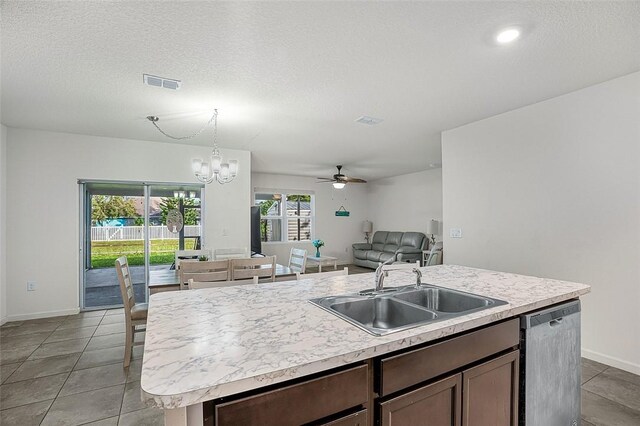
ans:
(130, 219)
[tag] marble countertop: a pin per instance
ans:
(205, 344)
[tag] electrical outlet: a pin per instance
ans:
(455, 232)
(31, 286)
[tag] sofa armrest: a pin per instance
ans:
(361, 246)
(409, 250)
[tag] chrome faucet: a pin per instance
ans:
(383, 271)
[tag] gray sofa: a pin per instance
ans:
(403, 246)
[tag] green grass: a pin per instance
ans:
(105, 253)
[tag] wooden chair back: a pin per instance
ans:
(298, 260)
(208, 271)
(195, 285)
(126, 286)
(338, 273)
(230, 253)
(261, 267)
(190, 255)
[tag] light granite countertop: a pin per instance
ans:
(205, 344)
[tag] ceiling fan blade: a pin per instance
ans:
(326, 179)
(353, 180)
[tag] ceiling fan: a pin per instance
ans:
(339, 180)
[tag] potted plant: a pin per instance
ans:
(203, 258)
(317, 244)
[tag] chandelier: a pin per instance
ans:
(214, 170)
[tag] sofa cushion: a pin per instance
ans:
(413, 239)
(394, 238)
(390, 248)
(373, 255)
(379, 239)
(386, 256)
(360, 254)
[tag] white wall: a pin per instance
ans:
(406, 202)
(338, 233)
(553, 190)
(3, 227)
(43, 206)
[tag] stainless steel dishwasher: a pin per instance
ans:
(550, 355)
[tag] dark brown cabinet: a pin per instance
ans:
(490, 392)
(437, 404)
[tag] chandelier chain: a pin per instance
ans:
(214, 119)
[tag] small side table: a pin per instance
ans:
(323, 259)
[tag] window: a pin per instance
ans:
(285, 216)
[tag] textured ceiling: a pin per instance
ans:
(289, 79)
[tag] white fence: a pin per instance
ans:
(156, 232)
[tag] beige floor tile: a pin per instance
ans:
(25, 415)
(594, 365)
(35, 328)
(89, 314)
(51, 320)
(112, 319)
(80, 322)
(117, 311)
(15, 341)
(603, 412)
(138, 351)
(111, 421)
(100, 357)
(30, 391)
(108, 341)
(132, 400)
(70, 334)
(622, 375)
(146, 417)
(134, 371)
(7, 370)
(11, 324)
(85, 407)
(621, 391)
(585, 423)
(13, 355)
(94, 378)
(110, 329)
(64, 347)
(44, 367)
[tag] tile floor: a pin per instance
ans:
(68, 371)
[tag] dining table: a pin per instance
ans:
(168, 279)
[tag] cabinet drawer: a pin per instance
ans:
(356, 419)
(299, 403)
(410, 368)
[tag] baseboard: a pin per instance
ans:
(46, 314)
(611, 361)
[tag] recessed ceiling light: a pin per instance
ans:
(508, 35)
(371, 121)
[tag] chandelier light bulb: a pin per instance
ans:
(233, 167)
(196, 165)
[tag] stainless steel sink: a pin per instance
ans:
(383, 313)
(403, 307)
(445, 300)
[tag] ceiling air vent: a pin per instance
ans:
(167, 83)
(369, 120)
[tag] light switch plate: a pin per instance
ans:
(455, 232)
(31, 285)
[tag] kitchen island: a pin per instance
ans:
(219, 344)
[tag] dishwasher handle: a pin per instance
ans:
(551, 316)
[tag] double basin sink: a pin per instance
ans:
(402, 308)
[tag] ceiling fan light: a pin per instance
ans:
(338, 185)
(233, 167)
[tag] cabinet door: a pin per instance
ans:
(437, 404)
(490, 392)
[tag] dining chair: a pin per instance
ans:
(435, 255)
(338, 273)
(195, 285)
(190, 255)
(261, 267)
(230, 253)
(298, 260)
(206, 271)
(135, 314)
